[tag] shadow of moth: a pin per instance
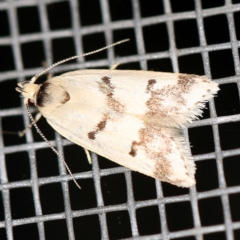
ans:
(133, 118)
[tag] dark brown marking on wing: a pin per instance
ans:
(100, 127)
(51, 95)
(133, 151)
(150, 85)
(106, 80)
(186, 81)
(66, 97)
(112, 102)
(91, 135)
(43, 96)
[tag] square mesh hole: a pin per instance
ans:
(9, 99)
(216, 29)
(144, 187)
(5, 28)
(184, 6)
(51, 197)
(229, 137)
(24, 15)
(22, 203)
(122, 50)
(55, 12)
(2, 216)
(211, 4)
(118, 225)
(175, 212)
(89, 41)
(216, 235)
(206, 175)
(84, 198)
(7, 64)
(231, 170)
(160, 42)
(237, 23)
(201, 139)
(112, 194)
(148, 220)
(221, 64)
(120, 10)
(18, 168)
(90, 228)
(11, 126)
(191, 64)
(90, 6)
(27, 231)
(47, 163)
(234, 204)
(56, 229)
(227, 100)
(211, 212)
(160, 65)
(33, 54)
(3, 234)
(182, 30)
(61, 53)
(151, 8)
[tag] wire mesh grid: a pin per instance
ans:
(38, 197)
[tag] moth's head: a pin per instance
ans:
(28, 91)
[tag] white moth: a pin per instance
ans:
(130, 117)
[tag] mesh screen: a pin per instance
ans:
(38, 197)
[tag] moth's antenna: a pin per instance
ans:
(50, 145)
(77, 56)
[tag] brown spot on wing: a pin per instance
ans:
(107, 88)
(66, 97)
(106, 80)
(100, 126)
(91, 135)
(133, 151)
(150, 85)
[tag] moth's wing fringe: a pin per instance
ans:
(197, 109)
(180, 141)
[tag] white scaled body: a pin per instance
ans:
(130, 117)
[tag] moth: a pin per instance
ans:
(133, 118)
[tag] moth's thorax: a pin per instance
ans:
(51, 95)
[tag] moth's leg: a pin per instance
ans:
(36, 119)
(88, 156)
(114, 66)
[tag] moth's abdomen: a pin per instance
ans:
(51, 95)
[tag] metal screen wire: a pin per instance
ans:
(38, 197)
